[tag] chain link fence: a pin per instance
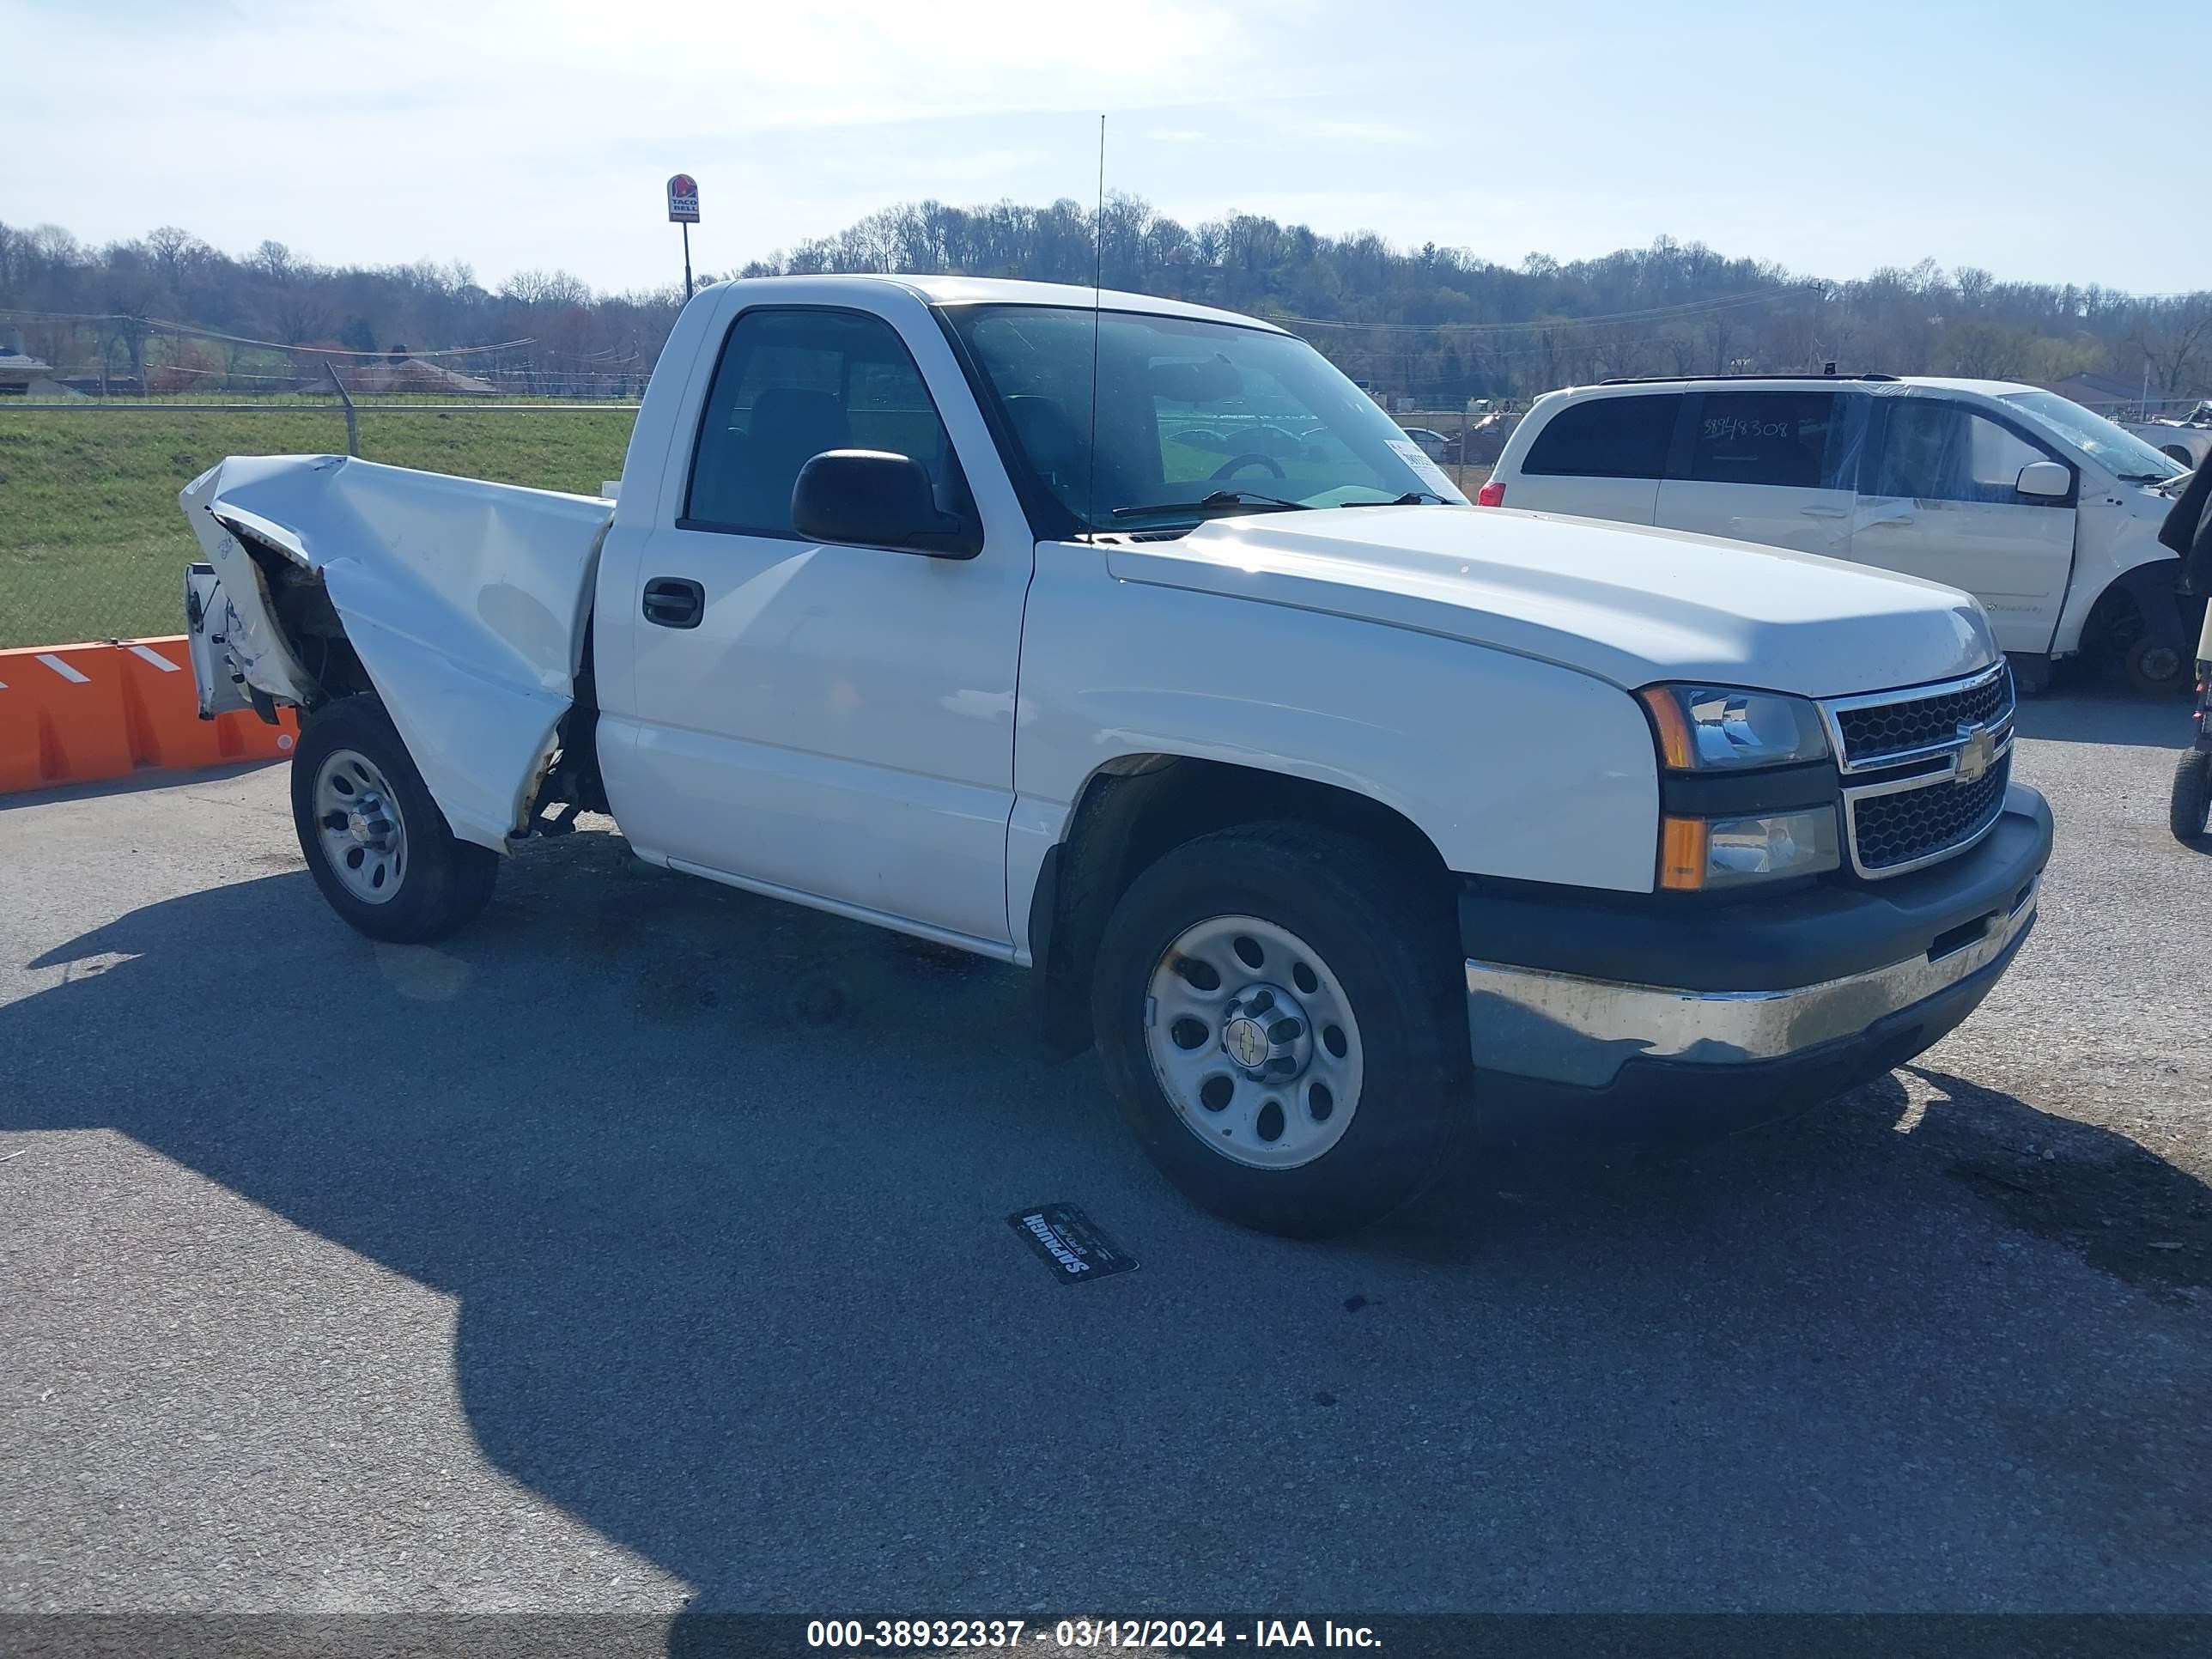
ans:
(92, 545)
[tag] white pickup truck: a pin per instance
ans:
(1129, 642)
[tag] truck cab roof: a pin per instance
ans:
(844, 287)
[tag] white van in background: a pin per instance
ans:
(2046, 513)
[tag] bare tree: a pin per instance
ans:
(2174, 337)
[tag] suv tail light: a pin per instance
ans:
(1492, 494)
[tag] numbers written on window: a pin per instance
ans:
(792, 384)
(1785, 438)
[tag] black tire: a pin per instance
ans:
(2141, 618)
(443, 883)
(1388, 942)
(2157, 665)
(2190, 807)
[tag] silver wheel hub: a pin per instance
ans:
(1265, 1032)
(1253, 1041)
(362, 834)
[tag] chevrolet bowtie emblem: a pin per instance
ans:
(1975, 758)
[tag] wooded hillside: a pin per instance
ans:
(1436, 324)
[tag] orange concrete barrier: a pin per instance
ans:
(63, 708)
(162, 707)
(83, 714)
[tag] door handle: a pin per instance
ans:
(674, 602)
(1825, 512)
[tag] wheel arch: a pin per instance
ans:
(2139, 587)
(1134, 808)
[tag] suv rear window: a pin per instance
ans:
(1623, 437)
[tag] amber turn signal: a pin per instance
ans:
(1675, 748)
(1682, 854)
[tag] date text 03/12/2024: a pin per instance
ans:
(1152, 1633)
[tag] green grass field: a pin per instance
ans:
(94, 546)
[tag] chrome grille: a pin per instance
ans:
(1909, 827)
(1924, 768)
(1892, 727)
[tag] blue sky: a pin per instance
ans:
(2037, 139)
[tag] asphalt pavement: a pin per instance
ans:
(578, 1263)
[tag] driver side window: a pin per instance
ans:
(792, 384)
(1941, 452)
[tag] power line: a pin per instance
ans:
(194, 331)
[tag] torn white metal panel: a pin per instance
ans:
(209, 621)
(464, 600)
(255, 643)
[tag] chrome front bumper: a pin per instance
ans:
(1563, 1029)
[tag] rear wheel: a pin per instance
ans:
(374, 841)
(2190, 807)
(1274, 1005)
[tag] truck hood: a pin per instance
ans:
(1627, 603)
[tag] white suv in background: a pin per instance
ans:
(2046, 513)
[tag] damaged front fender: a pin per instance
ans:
(464, 603)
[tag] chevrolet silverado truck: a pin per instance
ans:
(1129, 642)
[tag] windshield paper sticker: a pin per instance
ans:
(1425, 469)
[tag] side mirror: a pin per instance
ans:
(871, 498)
(2045, 480)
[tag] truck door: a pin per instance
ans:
(827, 722)
(1938, 498)
(1768, 466)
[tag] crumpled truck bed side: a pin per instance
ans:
(465, 602)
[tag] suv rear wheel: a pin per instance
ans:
(1276, 1009)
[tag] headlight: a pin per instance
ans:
(1701, 854)
(1719, 728)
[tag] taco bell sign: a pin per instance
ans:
(683, 200)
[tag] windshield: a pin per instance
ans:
(2125, 455)
(1187, 411)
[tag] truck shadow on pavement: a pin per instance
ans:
(720, 1188)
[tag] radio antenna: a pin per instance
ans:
(1097, 305)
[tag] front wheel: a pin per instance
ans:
(2142, 619)
(374, 841)
(1275, 1007)
(2157, 665)
(2190, 808)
